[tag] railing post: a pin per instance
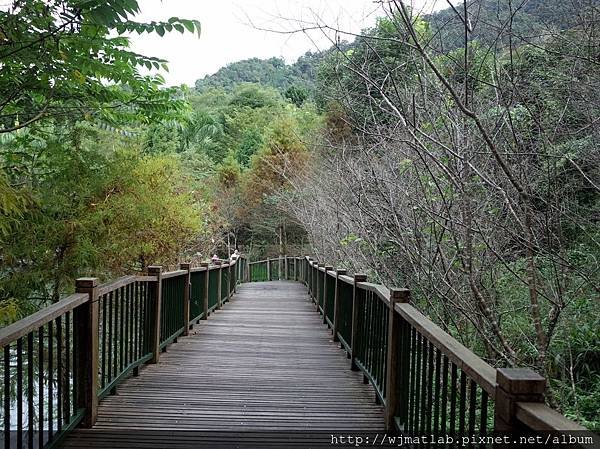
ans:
(279, 264)
(268, 269)
(186, 296)
(85, 331)
(219, 277)
(229, 281)
(236, 270)
(325, 287)
(319, 288)
(396, 373)
(205, 294)
(337, 305)
(515, 385)
(309, 272)
(359, 277)
(155, 270)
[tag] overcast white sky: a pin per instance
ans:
(229, 30)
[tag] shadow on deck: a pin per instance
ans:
(260, 370)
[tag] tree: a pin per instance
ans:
(70, 58)
(296, 95)
(91, 211)
(470, 176)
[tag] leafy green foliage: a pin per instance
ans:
(97, 207)
(68, 58)
(531, 19)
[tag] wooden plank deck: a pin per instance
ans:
(264, 365)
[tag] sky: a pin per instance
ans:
(233, 30)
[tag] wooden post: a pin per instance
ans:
(219, 277)
(155, 270)
(396, 373)
(85, 331)
(337, 305)
(357, 278)
(325, 288)
(268, 269)
(186, 296)
(279, 265)
(515, 385)
(319, 288)
(229, 281)
(296, 269)
(309, 278)
(205, 295)
(236, 270)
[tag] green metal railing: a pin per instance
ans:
(371, 338)
(259, 271)
(124, 316)
(198, 289)
(344, 313)
(436, 390)
(172, 323)
(213, 289)
(329, 303)
(225, 287)
(274, 269)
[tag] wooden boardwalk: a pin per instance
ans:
(263, 365)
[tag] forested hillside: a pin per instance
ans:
(454, 154)
(529, 21)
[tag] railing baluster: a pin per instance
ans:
(413, 373)
(59, 374)
(444, 395)
(6, 393)
(423, 397)
(40, 386)
(453, 382)
(436, 393)
(30, 391)
(68, 349)
(19, 393)
(50, 380)
(472, 406)
(111, 347)
(462, 403)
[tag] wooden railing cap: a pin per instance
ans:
(86, 282)
(360, 277)
(401, 295)
(185, 266)
(154, 269)
(520, 381)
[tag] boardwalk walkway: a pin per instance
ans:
(265, 363)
